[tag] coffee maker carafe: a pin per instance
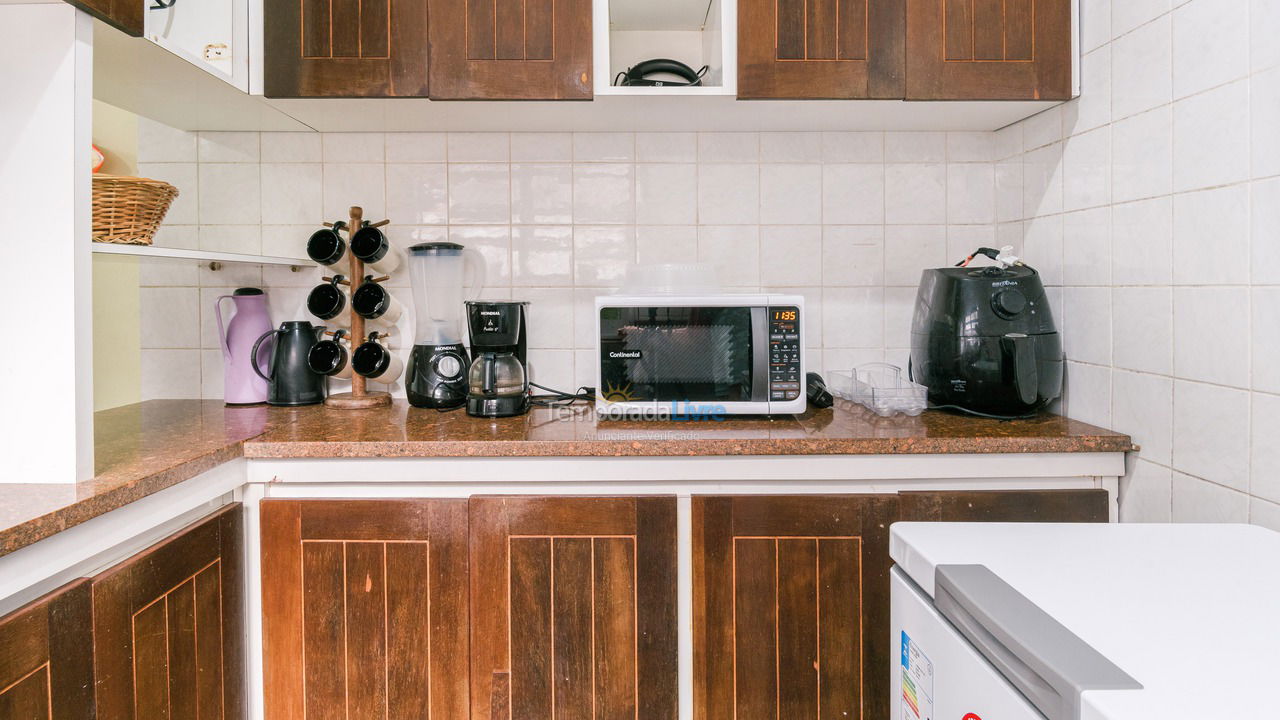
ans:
(437, 369)
(497, 383)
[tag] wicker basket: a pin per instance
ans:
(128, 210)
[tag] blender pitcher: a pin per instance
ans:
(439, 272)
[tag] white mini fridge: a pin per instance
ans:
(1009, 621)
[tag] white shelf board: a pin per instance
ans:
(203, 255)
(667, 91)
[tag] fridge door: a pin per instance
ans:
(935, 673)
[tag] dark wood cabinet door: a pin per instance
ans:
(124, 15)
(364, 609)
(511, 49)
(573, 608)
(168, 627)
(46, 657)
(821, 49)
(1004, 506)
(989, 49)
(791, 606)
(345, 48)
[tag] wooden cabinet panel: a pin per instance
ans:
(511, 50)
(168, 627)
(1005, 506)
(989, 49)
(791, 593)
(46, 657)
(124, 15)
(789, 598)
(364, 609)
(573, 608)
(346, 48)
(832, 49)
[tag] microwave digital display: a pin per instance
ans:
(784, 315)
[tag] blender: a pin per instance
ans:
(498, 385)
(436, 376)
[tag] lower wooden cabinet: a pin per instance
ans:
(168, 627)
(573, 608)
(788, 592)
(494, 608)
(46, 658)
(1004, 506)
(791, 594)
(564, 608)
(365, 609)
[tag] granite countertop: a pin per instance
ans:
(144, 448)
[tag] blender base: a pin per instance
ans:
(426, 386)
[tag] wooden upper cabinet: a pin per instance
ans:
(345, 48)
(820, 49)
(791, 607)
(168, 627)
(989, 49)
(573, 608)
(364, 609)
(511, 49)
(46, 658)
(124, 15)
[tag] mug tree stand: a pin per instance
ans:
(359, 398)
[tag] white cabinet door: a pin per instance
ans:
(935, 673)
(211, 34)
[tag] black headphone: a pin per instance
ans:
(638, 75)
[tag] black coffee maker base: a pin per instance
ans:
(497, 407)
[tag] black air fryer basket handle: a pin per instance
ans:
(1020, 357)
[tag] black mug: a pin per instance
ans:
(374, 249)
(376, 362)
(374, 302)
(326, 246)
(330, 357)
(328, 301)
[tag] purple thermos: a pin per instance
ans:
(241, 385)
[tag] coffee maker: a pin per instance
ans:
(437, 368)
(497, 383)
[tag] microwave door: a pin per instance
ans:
(683, 354)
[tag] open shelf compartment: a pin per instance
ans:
(694, 32)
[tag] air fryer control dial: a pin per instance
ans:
(1008, 303)
(448, 366)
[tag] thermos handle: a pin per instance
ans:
(472, 257)
(1020, 350)
(222, 334)
(253, 355)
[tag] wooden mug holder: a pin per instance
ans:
(360, 397)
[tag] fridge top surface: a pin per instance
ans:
(1190, 611)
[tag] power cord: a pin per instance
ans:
(559, 398)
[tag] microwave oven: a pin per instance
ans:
(700, 355)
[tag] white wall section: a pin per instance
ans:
(46, 373)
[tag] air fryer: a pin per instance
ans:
(983, 340)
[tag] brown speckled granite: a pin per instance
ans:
(401, 431)
(138, 450)
(144, 448)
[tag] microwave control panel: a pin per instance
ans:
(785, 382)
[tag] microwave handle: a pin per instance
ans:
(760, 354)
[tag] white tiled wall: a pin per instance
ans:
(846, 219)
(1152, 204)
